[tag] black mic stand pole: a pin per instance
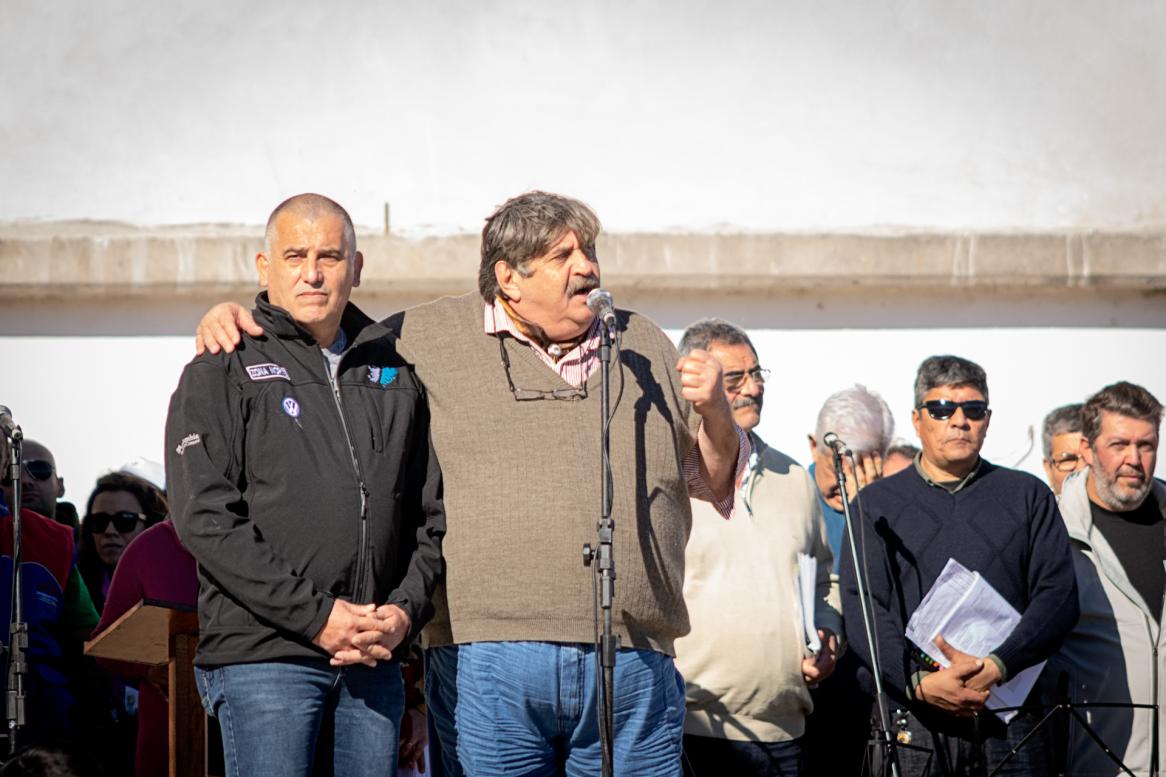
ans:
(885, 743)
(604, 563)
(17, 628)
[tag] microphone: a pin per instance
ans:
(601, 304)
(8, 426)
(831, 440)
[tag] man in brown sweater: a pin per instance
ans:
(512, 379)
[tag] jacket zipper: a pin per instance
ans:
(358, 589)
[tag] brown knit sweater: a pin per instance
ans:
(522, 484)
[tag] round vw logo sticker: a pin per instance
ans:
(291, 407)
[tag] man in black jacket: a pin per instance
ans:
(1003, 524)
(303, 481)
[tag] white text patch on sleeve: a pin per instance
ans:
(268, 372)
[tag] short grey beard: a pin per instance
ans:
(1116, 503)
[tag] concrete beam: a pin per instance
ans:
(100, 260)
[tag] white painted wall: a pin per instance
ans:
(672, 115)
(98, 401)
(664, 114)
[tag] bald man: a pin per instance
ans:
(302, 481)
(40, 484)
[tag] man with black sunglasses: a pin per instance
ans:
(57, 607)
(40, 485)
(998, 522)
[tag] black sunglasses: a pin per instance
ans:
(123, 520)
(943, 409)
(39, 469)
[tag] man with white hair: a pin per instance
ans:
(861, 419)
(836, 733)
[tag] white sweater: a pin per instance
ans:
(742, 660)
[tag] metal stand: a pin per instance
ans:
(1067, 710)
(602, 562)
(883, 744)
(17, 628)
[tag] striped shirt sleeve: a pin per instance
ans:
(699, 489)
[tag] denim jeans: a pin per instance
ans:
(529, 708)
(279, 718)
(951, 756)
(712, 757)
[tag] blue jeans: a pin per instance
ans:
(529, 708)
(710, 757)
(952, 756)
(279, 718)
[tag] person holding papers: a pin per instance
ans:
(751, 585)
(999, 523)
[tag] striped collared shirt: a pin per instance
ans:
(575, 366)
(578, 364)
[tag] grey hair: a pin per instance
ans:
(936, 371)
(903, 448)
(703, 333)
(1065, 419)
(1123, 398)
(311, 206)
(526, 227)
(860, 417)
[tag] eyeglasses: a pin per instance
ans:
(38, 469)
(1066, 462)
(943, 409)
(528, 395)
(735, 380)
(123, 520)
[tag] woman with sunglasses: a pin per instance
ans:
(120, 508)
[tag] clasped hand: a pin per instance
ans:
(362, 633)
(963, 686)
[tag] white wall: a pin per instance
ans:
(664, 114)
(100, 400)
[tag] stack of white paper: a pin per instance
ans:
(975, 619)
(807, 584)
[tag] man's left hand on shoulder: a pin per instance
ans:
(392, 626)
(817, 668)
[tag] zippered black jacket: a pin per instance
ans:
(290, 494)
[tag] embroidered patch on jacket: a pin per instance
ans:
(291, 407)
(187, 441)
(382, 376)
(268, 371)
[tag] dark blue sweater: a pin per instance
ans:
(1003, 524)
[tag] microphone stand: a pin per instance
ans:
(602, 562)
(884, 742)
(1070, 710)
(17, 628)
